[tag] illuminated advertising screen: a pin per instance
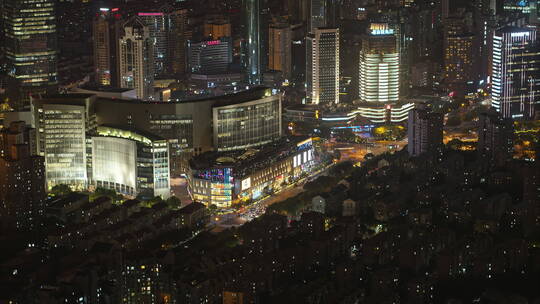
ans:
(246, 183)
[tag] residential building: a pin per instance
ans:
(459, 65)
(425, 131)
(495, 138)
(136, 58)
(22, 178)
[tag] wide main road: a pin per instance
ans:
(348, 151)
(258, 208)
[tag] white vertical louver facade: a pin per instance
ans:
(323, 67)
(515, 75)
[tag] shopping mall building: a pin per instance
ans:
(130, 145)
(221, 178)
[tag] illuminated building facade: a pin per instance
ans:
(22, 178)
(130, 162)
(280, 54)
(221, 178)
(210, 57)
(62, 126)
(114, 164)
(81, 154)
(255, 48)
(62, 142)
(460, 49)
(246, 125)
(458, 59)
(520, 6)
(379, 66)
(231, 297)
(189, 127)
(105, 33)
(30, 46)
(516, 73)
(389, 113)
(322, 68)
(217, 28)
(136, 58)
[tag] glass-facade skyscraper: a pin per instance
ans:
(255, 49)
(30, 48)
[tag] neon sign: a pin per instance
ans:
(150, 14)
(382, 32)
(213, 42)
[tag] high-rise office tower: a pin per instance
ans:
(379, 66)
(136, 56)
(322, 68)
(516, 72)
(403, 31)
(425, 131)
(22, 178)
(62, 141)
(210, 57)
(30, 46)
(177, 41)
(158, 23)
(255, 48)
(105, 34)
(495, 138)
(280, 55)
(485, 23)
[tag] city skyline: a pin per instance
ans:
(269, 151)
